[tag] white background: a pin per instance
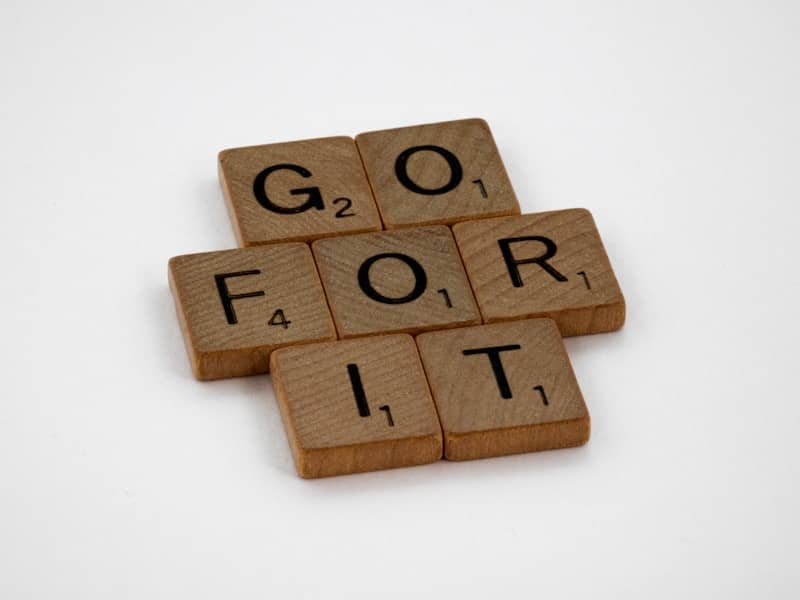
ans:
(676, 123)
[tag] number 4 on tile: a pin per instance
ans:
(278, 318)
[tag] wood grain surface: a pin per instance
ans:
(356, 405)
(463, 177)
(530, 401)
(283, 304)
(563, 273)
(414, 277)
(323, 179)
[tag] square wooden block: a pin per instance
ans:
(395, 282)
(550, 264)
(236, 306)
(437, 173)
(504, 389)
(297, 191)
(356, 405)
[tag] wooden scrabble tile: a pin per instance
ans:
(395, 282)
(236, 306)
(550, 264)
(297, 191)
(437, 173)
(503, 389)
(356, 405)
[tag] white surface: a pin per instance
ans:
(676, 123)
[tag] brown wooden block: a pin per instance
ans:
(550, 264)
(395, 281)
(437, 173)
(297, 191)
(356, 405)
(236, 306)
(503, 389)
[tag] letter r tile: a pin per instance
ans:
(503, 389)
(297, 191)
(550, 264)
(236, 306)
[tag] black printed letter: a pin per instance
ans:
(401, 170)
(314, 196)
(420, 279)
(497, 365)
(512, 263)
(228, 298)
(358, 390)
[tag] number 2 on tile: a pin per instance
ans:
(342, 212)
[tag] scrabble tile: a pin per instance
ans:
(503, 389)
(356, 405)
(236, 306)
(437, 174)
(549, 264)
(297, 191)
(395, 282)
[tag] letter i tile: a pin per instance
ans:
(356, 405)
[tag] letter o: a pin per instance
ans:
(401, 170)
(420, 278)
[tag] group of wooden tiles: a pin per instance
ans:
(414, 232)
